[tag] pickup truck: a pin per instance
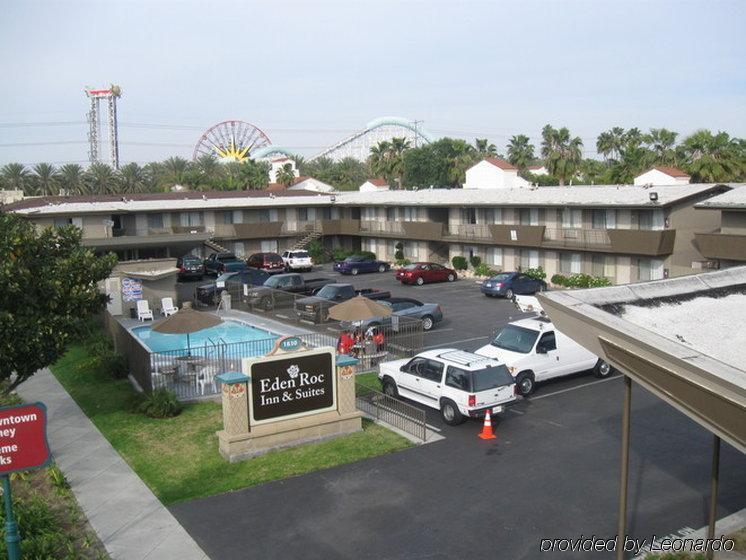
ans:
(209, 294)
(220, 263)
(534, 351)
(316, 308)
(280, 288)
(459, 384)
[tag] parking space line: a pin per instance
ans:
(450, 342)
(576, 387)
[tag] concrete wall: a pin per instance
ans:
(687, 220)
(732, 222)
(655, 177)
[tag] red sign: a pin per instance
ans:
(23, 438)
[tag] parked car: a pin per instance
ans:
(269, 294)
(507, 284)
(316, 307)
(190, 267)
(209, 294)
(429, 313)
(459, 384)
(219, 263)
(269, 262)
(360, 263)
(535, 351)
(424, 272)
(297, 259)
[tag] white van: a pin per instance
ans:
(459, 384)
(534, 351)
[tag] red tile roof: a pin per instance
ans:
(501, 163)
(378, 182)
(672, 171)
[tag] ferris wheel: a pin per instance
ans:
(231, 141)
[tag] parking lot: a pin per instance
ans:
(552, 472)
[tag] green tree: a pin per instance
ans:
(379, 161)
(101, 179)
(399, 146)
(484, 148)
(210, 172)
(520, 151)
(438, 164)
(46, 179)
(174, 171)
(49, 289)
(16, 177)
(286, 176)
(349, 174)
(561, 152)
(71, 178)
(662, 142)
(131, 178)
(712, 157)
(609, 143)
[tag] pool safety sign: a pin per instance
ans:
(131, 289)
(292, 385)
(23, 438)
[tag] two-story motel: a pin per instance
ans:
(626, 233)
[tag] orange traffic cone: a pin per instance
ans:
(487, 432)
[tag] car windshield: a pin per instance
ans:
(515, 339)
(227, 257)
(490, 378)
(299, 255)
(273, 281)
(500, 278)
(353, 259)
(327, 292)
(191, 260)
(274, 258)
(409, 267)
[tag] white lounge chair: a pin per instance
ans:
(143, 310)
(207, 375)
(167, 306)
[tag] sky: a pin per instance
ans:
(310, 73)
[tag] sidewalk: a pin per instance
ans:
(128, 518)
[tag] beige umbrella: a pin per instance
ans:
(358, 308)
(185, 321)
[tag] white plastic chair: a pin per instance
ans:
(167, 306)
(143, 310)
(207, 375)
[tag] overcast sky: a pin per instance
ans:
(309, 73)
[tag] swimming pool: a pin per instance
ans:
(226, 333)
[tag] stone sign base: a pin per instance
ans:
(287, 433)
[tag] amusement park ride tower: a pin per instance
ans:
(110, 95)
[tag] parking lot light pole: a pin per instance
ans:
(714, 479)
(624, 479)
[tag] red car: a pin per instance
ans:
(269, 262)
(421, 272)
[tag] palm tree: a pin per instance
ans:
(71, 178)
(285, 175)
(609, 143)
(561, 152)
(16, 177)
(379, 159)
(100, 179)
(46, 177)
(713, 157)
(520, 151)
(131, 178)
(174, 171)
(396, 158)
(484, 148)
(662, 142)
(210, 170)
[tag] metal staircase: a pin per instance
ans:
(313, 233)
(215, 246)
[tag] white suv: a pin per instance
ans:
(535, 351)
(297, 260)
(459, 384)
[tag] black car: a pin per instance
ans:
(190, 267)
(209, 294)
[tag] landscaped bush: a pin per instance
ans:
(399, 253)
(402, 262)
(316, 250)
(161, 403)
(459, 263)
(536, 273)
(580, 281)
(340, 254)
(102, 356)
(484, 270)
(475, 261)
(58, 480)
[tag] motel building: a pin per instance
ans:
(626, 233)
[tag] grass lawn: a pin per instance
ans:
(365, 381)
(178, 457)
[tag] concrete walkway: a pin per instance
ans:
(128, 518)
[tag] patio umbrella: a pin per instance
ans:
(185, 321)
(358, 308)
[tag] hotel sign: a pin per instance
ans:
(23, 438)
(291, 385)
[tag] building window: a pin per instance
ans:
(155, 221)
(410, 214)
(529, 258)
(468, 216)
(302, 214)
(62, 221)
(570, 263)
(572, 218)
(650, 219)
(529, 216)
(264, 216)
(269, 246)
(191, 219)
(495, 256)
(226, 217)
(598, 219)
(603, 266)
(493, 215)
(649, 269)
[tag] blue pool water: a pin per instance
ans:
(227, 332)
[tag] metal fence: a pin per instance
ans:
(392, 411)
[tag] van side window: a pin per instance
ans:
(547, 341)
(457, 378)
(433, 370)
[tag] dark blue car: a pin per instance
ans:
(508, 284)
(360, 263)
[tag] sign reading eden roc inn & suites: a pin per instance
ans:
(23, 438)
(291, 385)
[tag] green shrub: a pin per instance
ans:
(559, 280)
(535, 273)
(402, 262)
(459, 263)
(484, 270)
(316, 250)
(399, 253)
(161, 403)
(58, 480)
(580, 281)
(340, 254)
(475, 261)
